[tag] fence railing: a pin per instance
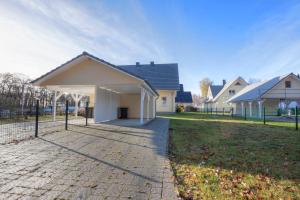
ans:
(267, 115)
(17, 125)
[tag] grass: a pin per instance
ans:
(216, 157)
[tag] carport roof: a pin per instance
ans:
(86, 54)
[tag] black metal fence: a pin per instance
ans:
(289, 117)
(16, 125)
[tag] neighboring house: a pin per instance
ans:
(221, 94)
(279, 92)
(110, 87)
(212, 92)
(184, 97)
(163, 77)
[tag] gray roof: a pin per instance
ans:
(256, 90)
(160, 76)
(183, 96)
(215, 89)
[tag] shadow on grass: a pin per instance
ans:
(243, 146)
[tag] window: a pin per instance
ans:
(164, 101)
(238, 83)
(231, 92)
(288, 84)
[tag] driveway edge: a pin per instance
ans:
(169, 189)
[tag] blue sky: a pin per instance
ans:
(216, 39)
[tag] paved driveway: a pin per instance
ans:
(97, 162)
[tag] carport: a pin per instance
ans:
(107, 86)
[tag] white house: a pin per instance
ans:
(219, 95)
(110, 87)
(278, 92)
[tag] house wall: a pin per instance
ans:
(209, 93)
(221, 101)
(89, 72)
(280, 92)
(132, 102)
(106, 105)
(170, 103)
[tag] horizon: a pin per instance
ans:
(254, 40)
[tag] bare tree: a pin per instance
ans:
(204, 84)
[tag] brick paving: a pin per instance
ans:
(97, 162)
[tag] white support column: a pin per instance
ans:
(242, 104)
(148, 104)
(250, 108)
(56, 96)
(260, 108)
(153, 107)
(76, 98)
(142, 106)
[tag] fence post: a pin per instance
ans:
(223, 111)
(211, 111)
(264, 115)
(231, 112)
(37, 117)
(296, 117)
(67, 114)
(245, 110)
(86, 113)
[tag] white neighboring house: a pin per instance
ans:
(228, 90)
(278, 92)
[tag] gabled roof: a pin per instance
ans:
(226, 86)
(160, 76)
(85, 54)
(256, 90)
(215, 89)
(182, 96)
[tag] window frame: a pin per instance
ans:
(164, 100)
(288, 84)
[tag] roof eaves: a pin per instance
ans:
(99, 60)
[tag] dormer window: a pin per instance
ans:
(288, 84)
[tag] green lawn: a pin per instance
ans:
(217, 157)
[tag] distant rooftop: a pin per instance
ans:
(183, 97)
(215, 89)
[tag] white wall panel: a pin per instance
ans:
(106, 105)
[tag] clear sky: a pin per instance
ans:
(207, 38)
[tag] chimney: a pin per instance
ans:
(152, 63)
(137, 63)
(224, 82)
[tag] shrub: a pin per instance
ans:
(191, 109)
(179, 108)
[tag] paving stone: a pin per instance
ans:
(96, 162)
